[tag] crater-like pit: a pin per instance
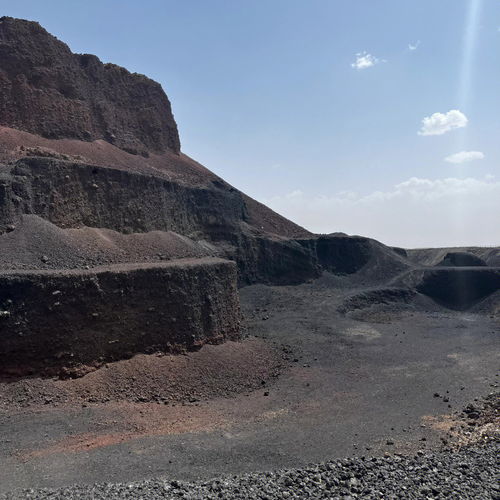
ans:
(459, 288)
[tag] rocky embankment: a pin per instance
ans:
(68, 321)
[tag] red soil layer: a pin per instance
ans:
(16, 144)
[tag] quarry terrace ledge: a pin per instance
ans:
(70, 322)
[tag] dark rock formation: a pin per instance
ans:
(72, 195)
(461, 259)
(340, 254)
(72, 182)
(454, 287)
(76, 194)
(459, 288)
(47, 90)
(435, 256)
(345, 255)
(55, 321)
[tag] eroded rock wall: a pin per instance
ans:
(76, 194)
(70, 194)
(55, 321)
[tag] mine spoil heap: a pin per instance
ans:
(112, 241)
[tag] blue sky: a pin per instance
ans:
(267, 94)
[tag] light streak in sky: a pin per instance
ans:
(471, 30)
(469, 46)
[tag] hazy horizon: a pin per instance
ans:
(371, 119)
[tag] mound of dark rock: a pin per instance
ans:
(462, 259)
(459, 289)
(348, 255)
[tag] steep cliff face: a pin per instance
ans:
(47, 90)
(71, 194)
(76, 195)
(56, 321)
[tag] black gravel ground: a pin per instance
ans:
(472, 472)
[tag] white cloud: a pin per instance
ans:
(464, 156)
(440, 123)
(364, 60)
(418, 212)
(414, 46)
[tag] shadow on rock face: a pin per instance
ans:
(459, 289)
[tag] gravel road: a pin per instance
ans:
(472, 472)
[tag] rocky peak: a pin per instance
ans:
(47, 90)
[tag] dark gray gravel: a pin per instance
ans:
(472, 472)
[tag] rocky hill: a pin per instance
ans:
(92, 185)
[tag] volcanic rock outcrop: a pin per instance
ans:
(76, 166)
(99, 206)
(47, 90)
